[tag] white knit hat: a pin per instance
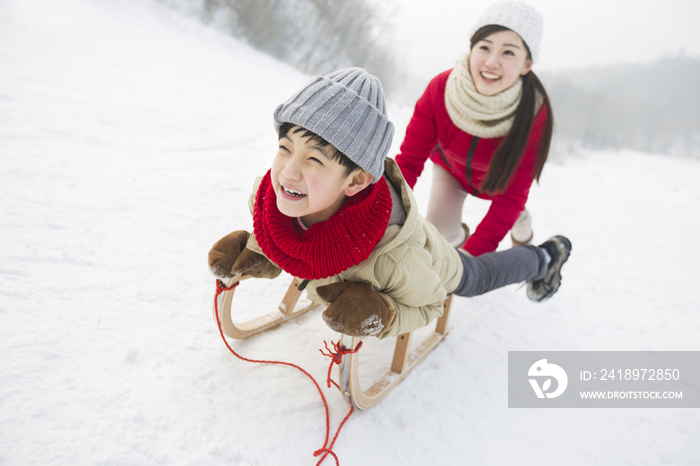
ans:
(519, 17)
(347, 109)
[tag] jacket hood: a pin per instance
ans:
(393, 175)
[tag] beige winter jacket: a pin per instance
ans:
(413, 264)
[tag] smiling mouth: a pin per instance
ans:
(490, 76)
(291, 192)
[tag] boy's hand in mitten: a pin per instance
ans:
(229, 257)
(355, 309)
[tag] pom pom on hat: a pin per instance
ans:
(519, 17)
(347, 109)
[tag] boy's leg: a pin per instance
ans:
(445, 206)
(497, 269)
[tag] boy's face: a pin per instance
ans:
(308, 184)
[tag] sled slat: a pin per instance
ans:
(291, 297)
(401, 352)
(441, 326)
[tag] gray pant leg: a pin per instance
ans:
(497, 269)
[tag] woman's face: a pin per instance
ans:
(497, 61)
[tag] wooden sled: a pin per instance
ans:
(285, 311)
(402, 364)
(348, 373)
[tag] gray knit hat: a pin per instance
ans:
(347, 109)
(516, 16)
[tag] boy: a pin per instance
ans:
(334, 210)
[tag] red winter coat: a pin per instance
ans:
(431, 134)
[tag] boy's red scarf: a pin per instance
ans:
(329, 247)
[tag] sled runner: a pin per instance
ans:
(285, 311)
(401, 365)
(348, 373)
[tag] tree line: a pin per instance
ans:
(315, 36)
(653, 107)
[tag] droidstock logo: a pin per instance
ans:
(542, 369)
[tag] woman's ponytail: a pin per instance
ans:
(510, 151)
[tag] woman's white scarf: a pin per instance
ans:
(480, 115)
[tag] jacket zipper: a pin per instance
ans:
(470, 156)
(439, 149)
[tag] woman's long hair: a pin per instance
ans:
(511, 149)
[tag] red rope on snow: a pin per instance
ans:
(338, 356)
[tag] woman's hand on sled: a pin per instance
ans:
(355, 309)
(229, 257)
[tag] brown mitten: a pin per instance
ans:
(355, 309)
(229, 257)
(256, 265)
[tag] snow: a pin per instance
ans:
(129, 141)
(372, 325)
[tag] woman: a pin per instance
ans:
(487, 126)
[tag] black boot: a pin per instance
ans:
(559, 249)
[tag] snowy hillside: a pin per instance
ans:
(129, 141)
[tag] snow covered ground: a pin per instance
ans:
(129, 140)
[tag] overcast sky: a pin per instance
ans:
(434, 33)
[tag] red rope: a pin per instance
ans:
(338, 356)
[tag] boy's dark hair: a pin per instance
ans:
(337, 156)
